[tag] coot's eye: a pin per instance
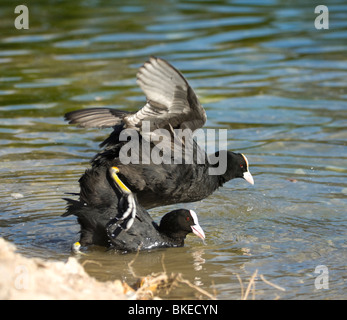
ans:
(187, 218)
(241, 166)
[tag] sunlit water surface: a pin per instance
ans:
(261, 70)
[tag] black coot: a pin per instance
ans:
(172, 105)
(120, 221)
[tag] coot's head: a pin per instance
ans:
(178, 223)
(237, 167)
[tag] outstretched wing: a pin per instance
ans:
(171, 102)
(170, 99)
(96, 117)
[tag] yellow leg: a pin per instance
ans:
(121, 185)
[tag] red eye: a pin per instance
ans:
(241, 166)
(187, 218)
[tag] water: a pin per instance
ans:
(261, 70)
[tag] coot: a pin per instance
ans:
(120, 221)
(171, 105)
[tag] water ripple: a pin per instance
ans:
(261, 70)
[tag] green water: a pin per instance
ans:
(261, 70)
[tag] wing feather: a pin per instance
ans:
(96, 117)
(171, 102)
(170, 99)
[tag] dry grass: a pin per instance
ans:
(156, 285)
(251, 286)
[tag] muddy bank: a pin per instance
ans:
(24, 278)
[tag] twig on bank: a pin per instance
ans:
(204, 292)
(250, 284)
(271, 284)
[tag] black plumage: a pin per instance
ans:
(171, 104)
(103, 221)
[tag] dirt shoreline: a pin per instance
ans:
(35, 278)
